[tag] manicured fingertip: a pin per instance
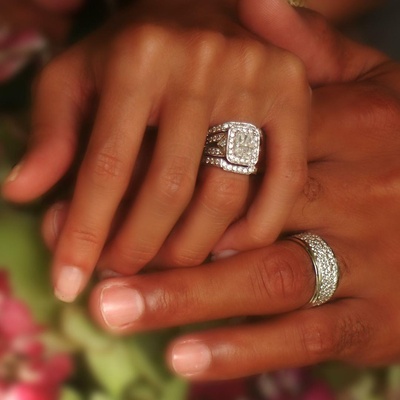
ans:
(190, 357)
(69, 283)
(120, 305)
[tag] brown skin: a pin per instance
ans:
(351, 200)
(135, 51)
(353, 172)
(143, 67)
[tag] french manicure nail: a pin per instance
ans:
(120, 305)
(191, 358)
(223, 254)
(69, 283)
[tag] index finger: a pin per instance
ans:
(57, 117)
(273, 280)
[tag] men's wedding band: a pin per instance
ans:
(325, 266)
(234, 147)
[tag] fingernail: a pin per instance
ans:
(59, 216)
(69, 284)
(223, 254)
(107, 274)
(191, 358)
(120, 305)
(13, 175)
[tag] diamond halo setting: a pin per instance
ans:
(234, 147)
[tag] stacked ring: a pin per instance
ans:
(234, 147)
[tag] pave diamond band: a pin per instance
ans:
(234, 147)
(325, 266)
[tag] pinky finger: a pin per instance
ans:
(336, 331)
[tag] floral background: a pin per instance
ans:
(50, 350)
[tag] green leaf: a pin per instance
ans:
(108, 358)
(23, 254)
(113, 367)
(79, 329)
(99, 396)
(141, 391)
(70, 394)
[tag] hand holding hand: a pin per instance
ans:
(182, 69)
(351, 200)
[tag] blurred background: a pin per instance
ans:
(51, 351)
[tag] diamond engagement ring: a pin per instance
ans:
(234, 147)
(325, 266)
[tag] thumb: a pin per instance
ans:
(329, 56)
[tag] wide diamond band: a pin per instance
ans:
(234, 147)
(325, 266)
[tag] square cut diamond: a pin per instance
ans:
(243, 145)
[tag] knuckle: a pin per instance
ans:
(106, 167)
(221, 194)
(86, 236)
(252, 66)
(185, 257)
(176, 181)
(354, 334)
(130, 256)
(176, 301)
(135, 53)
(379, 109)
(206, 46)
(322, 340)
(293, 71)
(51, 73)
(61, 72)
(318, 340)
(277, 278)
(143, 39)
(203, 52)
(259, 234)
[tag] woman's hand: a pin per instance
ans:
(182, 68)
(352, 201)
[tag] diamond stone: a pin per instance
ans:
(244, 144)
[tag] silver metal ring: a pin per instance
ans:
(234, 147)
(325, 266)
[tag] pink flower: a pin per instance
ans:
(27, 370)
(17, 49)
